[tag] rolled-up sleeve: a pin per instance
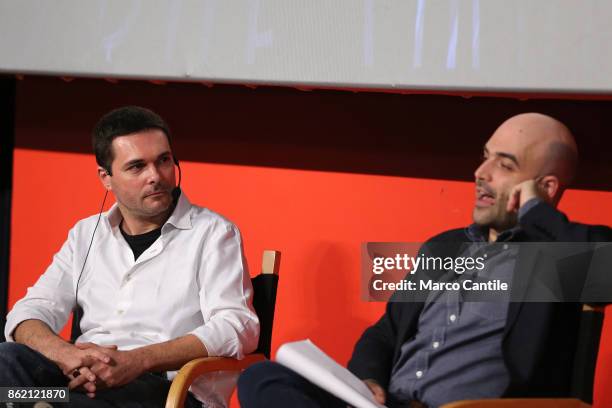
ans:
(231, 326)
(52, 298)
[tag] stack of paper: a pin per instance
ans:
(312, 363)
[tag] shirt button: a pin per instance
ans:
(419, 374)
(452, 318)
(120, 311)
(436, 344)
(505, 246)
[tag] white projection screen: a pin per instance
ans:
(445, 45)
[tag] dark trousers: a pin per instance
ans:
(269, 384)
(20, 366)
(272, 385)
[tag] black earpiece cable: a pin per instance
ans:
(76, 296)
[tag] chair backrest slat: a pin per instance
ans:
(264, 299)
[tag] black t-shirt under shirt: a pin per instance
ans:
(140, 243)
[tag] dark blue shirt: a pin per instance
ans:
(456, 353)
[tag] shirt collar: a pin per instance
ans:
(180, 217)
(509, 235)
(478, 233)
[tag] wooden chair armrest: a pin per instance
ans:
(519, 402)
(184, 378)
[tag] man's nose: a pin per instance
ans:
(152, 174)
(483, 171)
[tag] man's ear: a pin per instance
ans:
(550, 186)
(104, 177)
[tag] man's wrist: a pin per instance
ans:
(143, 358)
(61, 354)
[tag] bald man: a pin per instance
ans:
(530, 155)
(445, 348)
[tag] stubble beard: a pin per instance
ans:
(495, 216)
(143, 211)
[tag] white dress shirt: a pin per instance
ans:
(192, 280)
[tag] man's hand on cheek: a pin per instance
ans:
(523, 192)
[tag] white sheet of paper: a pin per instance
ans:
(306, 359)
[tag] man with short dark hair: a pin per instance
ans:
(445, 348)
(160, 282)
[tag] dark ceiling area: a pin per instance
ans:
(423, 136)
